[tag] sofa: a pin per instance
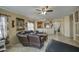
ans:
(31, 38)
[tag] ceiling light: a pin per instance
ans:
(43, 13)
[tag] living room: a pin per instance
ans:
(46, 22)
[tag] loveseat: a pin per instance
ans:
(32, 38)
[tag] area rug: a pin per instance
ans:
(56, 46)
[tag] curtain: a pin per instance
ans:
(3, 26)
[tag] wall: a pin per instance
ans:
(47, 30)
(12, 31)
(67, 26)
(65, 29)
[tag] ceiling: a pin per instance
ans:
(30, 11)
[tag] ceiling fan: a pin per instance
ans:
(44, 10)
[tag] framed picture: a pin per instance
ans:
(20, 24)
(40, 24)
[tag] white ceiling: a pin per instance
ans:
(59, 11)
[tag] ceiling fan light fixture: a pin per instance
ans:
(44, 10)
(43, 13)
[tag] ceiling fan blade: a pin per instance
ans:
(39, 13)
(49, 10)
(38, 9)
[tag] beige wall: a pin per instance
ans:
(66, 26)
(12, 31)
(51, 30)
(47, 30)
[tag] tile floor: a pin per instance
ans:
(19, 48)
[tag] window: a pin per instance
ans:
(30, 25)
